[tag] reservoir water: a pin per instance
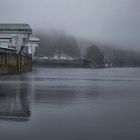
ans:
(71, 104)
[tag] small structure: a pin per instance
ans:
(33, 45)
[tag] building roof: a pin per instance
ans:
(15, 28)
(8, 25)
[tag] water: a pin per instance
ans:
(71, 104)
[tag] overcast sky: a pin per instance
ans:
(116, 21)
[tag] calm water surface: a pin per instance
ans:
(71, 104)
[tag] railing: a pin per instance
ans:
(5, 30)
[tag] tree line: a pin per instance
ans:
(121, 58)
(59, 44)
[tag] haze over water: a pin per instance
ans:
(71, 104)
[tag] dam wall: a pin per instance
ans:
(12, 63)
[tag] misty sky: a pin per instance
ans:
(116, 21)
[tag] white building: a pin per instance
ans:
(33, 45)
(15, 36)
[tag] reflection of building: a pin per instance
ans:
(14, 102)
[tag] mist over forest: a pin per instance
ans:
(59, 44)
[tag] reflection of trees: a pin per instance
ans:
(54, 96)
(64, 95)
(14, 103)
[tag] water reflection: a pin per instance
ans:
(71, 104)
(14, 101)
(61, 95)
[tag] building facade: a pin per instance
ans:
(15, 54)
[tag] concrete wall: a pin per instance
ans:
(14, 63)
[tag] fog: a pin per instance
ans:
(106, 21)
